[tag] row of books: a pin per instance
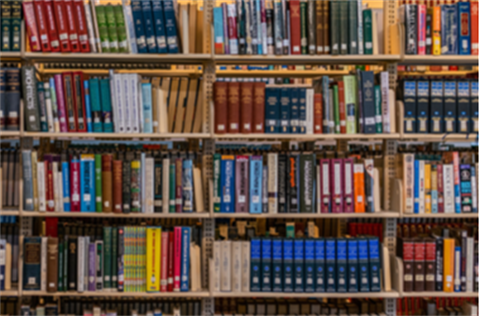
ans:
(437, 306)
(445, 260)
(345, 105)
(293, 183)
(440, 29)
(130, 27)
(113, 258)
(119, 182)
(9, 254)
(284, 27)
(418, 227)
(9, 98)
(335, 265)
(10, 177)
(440, 106)
(120, 103)
(11, 38)
(439, 183)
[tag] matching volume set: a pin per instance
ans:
(10, 171)
(11, 38)
(97, 180)
(120, 103)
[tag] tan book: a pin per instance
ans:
(387, 276)
(376, 190)
(199, 32)
(34, 180)
(192, 25)
(374, 33)
(392, 111)
(198, 187)
(195, 265)
(198, 117)
(155, 104)
(172, 101)
(180, 107)
(8, 267)
(190, 106)
(182, 19)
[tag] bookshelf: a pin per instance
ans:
(201, 294)
(390, 294)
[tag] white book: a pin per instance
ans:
(360, 26)
(149, 185)
(470, 264)
(130, 28)
(90, 29)
(272, 183)
(56, 191)
(127, 102)
(132, 88)
(43, 265)
(226, 266)
(384, 89)
(448, 190)
(113, 100)
(216, 266)
(421, 181)
(48, 106)
(245, 266)
(35, 183)
(80, 263)
(60, 191)
(138, 102)
(348, 183)
(309, 117)
(42, 202)
(457, 281)
(376, 190)
(236, 266)
(408, 182)
(473, 184)
(98, 43)
(166, 185)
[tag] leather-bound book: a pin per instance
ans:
(317, 113)
(258, 107)
(117, 186)
(430, 264)
(221, 110)
(319, 26)
(295, 27)
(178, 185)
(419, 270)
(246, 107)
(52, 264)
(405, 250)
(326, 26)
(233, 113)
(107, 183)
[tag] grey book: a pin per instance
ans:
(29, 80)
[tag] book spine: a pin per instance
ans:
(266, 265)
(255, 197)
(330, 268)
(438, 264)
(177, 257)
(463, 26)
(411, 29)
(341, 265)
(170, 26)
(81, 24)
(421, 28)
(282, 183)
(428, 31)
(72, 27)
(272, 183)
(232, 28)
(298, 265)
(149, 27)
(289, 110)
(6, 25)
(409, 101)
(474, 27)
(463, 107)
(436, 30)
(303, 27)
(178, 185)
(227, 184)
(352, 261)
(241, 184)
(348, 201)
(326, 195)
(159, 21)
(375, 264)
(153, 264)
(474, 186)
(164, 262)
(422, 106)
(255, 265)
(287, 272)
(120, 29)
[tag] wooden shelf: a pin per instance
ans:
(391, 294)
(280, 73)
(437, 73)
(10, 134)
(131, 136)
(12, 55)
(9, 212)
(439, 294)
(440, 60)
(119, 58)
(307, 137)
(304, 59)
(9, 293)
(115, 215)
(442, 137)
(119, 294)
(309, 215)
(441, 215)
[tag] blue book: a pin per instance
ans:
(272, 110)
(363, 266)
(31, 265)
(294, 110)
(416, 187)
(330, 268)
(302, 111)
(96, 106)
(463, 27)
(266, 265)
(277, 266)
(374, 259)
(288, 265)
(352, 263)
(256, 172)
(66, 185)
(450, 106)
(320, 265)
(160, 35)
(410, 106)
(227, 183)
(463, 107)
(255, 264)
(341, 265)
(147, 107)
(423, 105)
(310, 265)
(218, 26)
(137, 13)
(449, 27)
(170, 26)
(258, 13)
(87, 183)
(185, 270)
(286, 103)
(436, 106)
(474, 105)
(298, 266)
(149, 26)
(88, 108)
(107, 116)
(187, 186)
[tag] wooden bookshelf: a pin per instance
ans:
(281, 73)
(441, 215)
(10, 55)
(439, 294)
(303, 59)
(470, 138)
(130, 136)
(9, 293)
(307, 137)
(471, 60)
(9, 212)
(390, 294)
(113, 293)
(10, 134)
(113, 215)
(308, 215)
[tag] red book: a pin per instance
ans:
(341, 105)
(79, 102)
(42, 25)
(170, 261)
(49, 191)
(164, 263)
(177, 258)
(82, 29)
(474, 26)
(233, 115)
(419, 271)
(31, 25)
(441, 202)
(52, 28)
(221, 110)
(318, 113)
(295, 35)
(407, 255)
(246, 107)
(75, 185)
(232, 30)
(51, 226)
(430, 258)
(72, 26)
(62, 25)
(258, 110)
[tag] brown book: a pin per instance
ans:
(117, 186)
(233, 113)
(107, 183)
(190, 107)
(198, 117)
(406, 252)
(52, 264)
(177, 124)
(199, 37)
(221, 107)
(258, 107)
(192, 24)
(318, 113)
(319, 26)
(326, 26)
(430, 258)
(419, 270)
(246, 107)
(172, 101)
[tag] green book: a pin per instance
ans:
(16, 26)
(112, 28)
(335, 27)
(367, 32)
(6, 25)
(343, 23)
(303, 27)
(378, 109)
(352, 27)
(107, 257)
(216, 183)
(336, 109)
(121, 30)
(114, 257)
(350, 91)
(102, 28)
(98, 183)
(172, 188)
(106, 105)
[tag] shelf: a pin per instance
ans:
(10, 134)
(441, 215)
(13, 55)
(119, 294)
(442, 137)
(131, 136)
(119, 58)
(280, 73)
(440, 60)
(114, 215)
(9, 213)
(8, 293)
(392, 294)
(439, 294)
(304, 59)
(309, 215)
(307, 137)
(437, 73)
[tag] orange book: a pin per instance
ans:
(474, 26)
(436, 31)
(448, 264)
(359, 187)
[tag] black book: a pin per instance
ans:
(463, 106)
(438, 263)
(157, 187)
(72, 264)
(474, 106)
(282, 188)
(428, 38)
(436, 106)
(410, 106)
(422, 106)
(450, 106)
(293, 183)
(126, 181)
(411, 29)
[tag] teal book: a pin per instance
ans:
(378, 109)
(374, 262)
(298, 266)
(107, 257)
(172, 187)
(42, 107)
(106, 101)
(96, 105)
(147, 107)
(31, 264)
(16, 26)
(6, 25)
(352, 27)
(367, 32)
(288, 265)
(98, 183)
(266, 265)
(255, 265)
(330, 267)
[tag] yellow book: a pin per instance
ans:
(153, 258)
(437, 30)
(448, 264)
(428, 188)
(434, 188)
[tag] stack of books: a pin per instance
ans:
(119, 103)
(99, 180)
(9, 98)
(9, 253)
(10, 170)
(11, 38)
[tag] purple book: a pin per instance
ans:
(62, 117)
(348, 206)
(337, 185)
(225, 29)
(241, 184)
(325, 195)
(91, 266)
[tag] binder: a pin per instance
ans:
(266, 274)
